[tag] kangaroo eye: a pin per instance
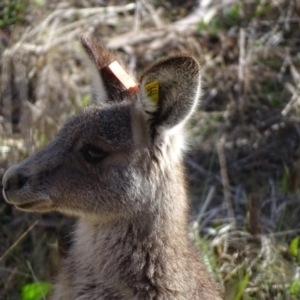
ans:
(93, 154)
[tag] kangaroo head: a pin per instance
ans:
(107, 161)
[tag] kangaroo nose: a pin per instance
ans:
(13, 179)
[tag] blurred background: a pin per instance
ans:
(244, 159)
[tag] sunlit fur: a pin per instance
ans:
(131, 240)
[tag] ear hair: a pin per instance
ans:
(117, 84)
(101, 56)
(169, 93)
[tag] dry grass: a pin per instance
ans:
(244, 163)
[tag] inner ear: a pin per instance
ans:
(116, 84)
(169, 92)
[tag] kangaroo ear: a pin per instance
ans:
(169, 93)
(112, 83)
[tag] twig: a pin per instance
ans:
(137, 12)
(9, 270)
(225, 181)
(241, 69)
(153, 13)
(133, 38)
(35, 279)
(18, 240)
(207, 201)
(281, 286)
(290, 104)
(253, 209)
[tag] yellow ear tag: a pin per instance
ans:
(152, 91)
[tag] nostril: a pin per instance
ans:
(15, 181)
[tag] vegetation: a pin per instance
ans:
(244, 161)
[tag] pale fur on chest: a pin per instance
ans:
(118, 264)
(106, 265)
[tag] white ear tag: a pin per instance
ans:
(123, 77)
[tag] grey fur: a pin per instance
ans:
(131, 240)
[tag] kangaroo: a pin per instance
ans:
(118, 168)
